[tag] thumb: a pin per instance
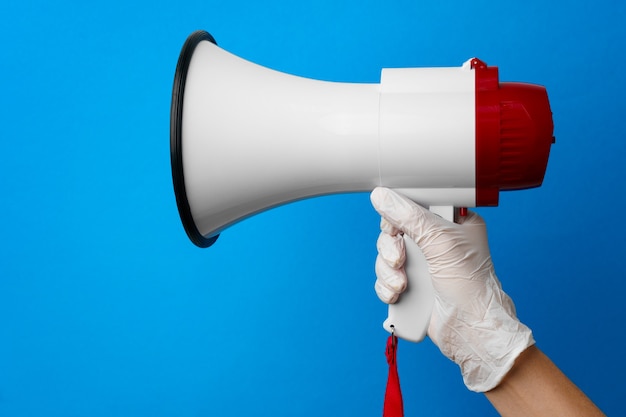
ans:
(402, 213)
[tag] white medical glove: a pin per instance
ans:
(473, 321)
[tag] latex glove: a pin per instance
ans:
(473, 321)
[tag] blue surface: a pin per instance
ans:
(106, 309)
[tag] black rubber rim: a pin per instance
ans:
(176, 144)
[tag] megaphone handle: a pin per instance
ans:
(409, 317)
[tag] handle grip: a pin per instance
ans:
(409, 317)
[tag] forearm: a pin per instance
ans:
(535, 387)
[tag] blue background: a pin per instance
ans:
(106, 308)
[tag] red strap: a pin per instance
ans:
(393, 395)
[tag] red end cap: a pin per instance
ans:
(525, 135)
(514, 133)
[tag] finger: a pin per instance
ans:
(388, 228)
(392, 278)
(385, 294)
(391, 249)
(402, 213)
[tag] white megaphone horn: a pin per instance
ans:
(245, 138)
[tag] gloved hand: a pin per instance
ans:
(473, 321)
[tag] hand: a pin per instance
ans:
(473, 321)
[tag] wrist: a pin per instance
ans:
(481, 334)
(493, 360)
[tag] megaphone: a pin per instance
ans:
(245, 138)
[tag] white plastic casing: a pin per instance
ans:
(255, 138)
(252, 138)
